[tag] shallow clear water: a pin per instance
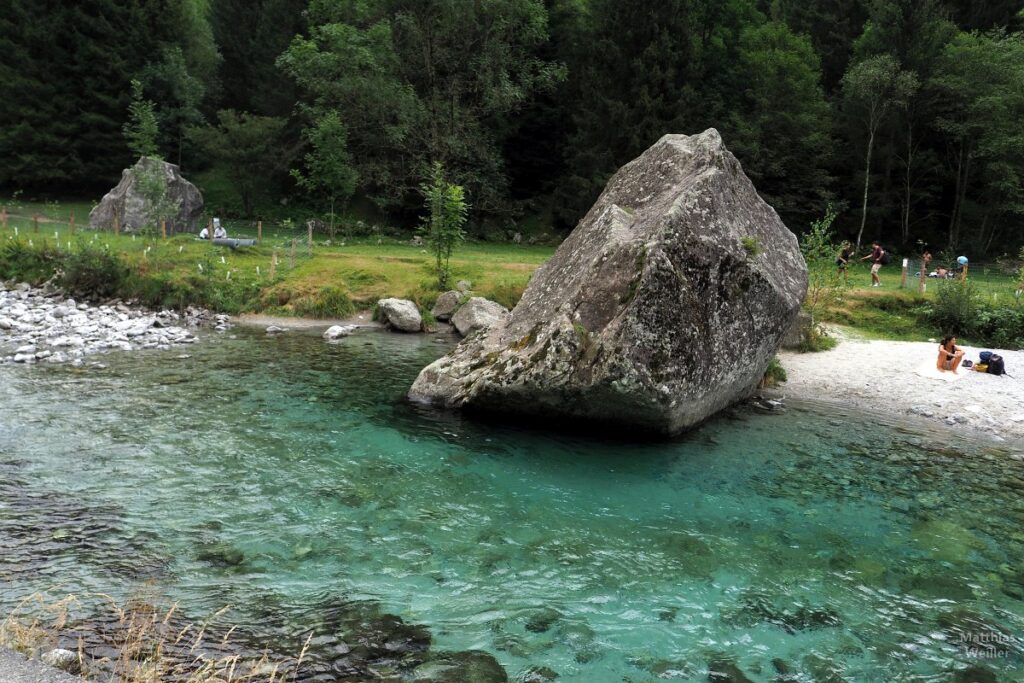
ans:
(844, 547)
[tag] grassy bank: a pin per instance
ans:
(985, 311)
(283, 275)
(363, 263)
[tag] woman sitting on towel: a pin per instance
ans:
(950, 354)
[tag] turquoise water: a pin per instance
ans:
(280, 475)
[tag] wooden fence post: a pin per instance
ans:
(309, 238)
(291, 262)
(963, 275)
(117, 222)
(35, 223)
(259, 232)
(163, 229)
(71, 224)
(273, 264)
(924, 274)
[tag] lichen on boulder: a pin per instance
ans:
(655, 312)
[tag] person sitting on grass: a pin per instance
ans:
(219, 232)
(950, 354)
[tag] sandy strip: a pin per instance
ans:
(899, 378)
(362, 319)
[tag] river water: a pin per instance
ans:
(283, 475)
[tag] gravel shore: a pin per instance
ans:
(45, 325)
(900, 378)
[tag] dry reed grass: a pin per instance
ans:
(150, 644)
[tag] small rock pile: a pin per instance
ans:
(44, 325)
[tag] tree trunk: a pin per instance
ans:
(867, 181)
(909, 165)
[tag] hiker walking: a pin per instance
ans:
(876, 256)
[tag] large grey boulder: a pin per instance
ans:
(400, 314)
(134, 211)
(477, 314)
(664, 305)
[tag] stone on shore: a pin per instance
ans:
(338, 331)
(400, 314)
(132, 209)
(478, 314)
(664, 305)
(799, 333)
(62, 659)
(446, 305)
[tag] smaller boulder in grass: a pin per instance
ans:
(477, 314)
(400, 314)
(446, 305)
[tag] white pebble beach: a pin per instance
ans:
(900, 378)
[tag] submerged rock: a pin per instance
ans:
(537, 674)
(722, 670)
(471, 666)
(541, 621)
(400, 314)
(338, 331)
(129, 205)
(664, 305)
(975, 674)
(220, 554)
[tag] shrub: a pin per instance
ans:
(955, 308)
(1002, 327)
(817, 340)
(751, 245)
(824, 284)
(329, 302)
(442, 227)
(93, 271)
(25, 263)
(775, 374)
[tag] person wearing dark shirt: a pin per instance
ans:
(843, 261)
(876, 263)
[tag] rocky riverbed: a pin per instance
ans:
(44, 325)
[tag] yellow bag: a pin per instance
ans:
(981, 367)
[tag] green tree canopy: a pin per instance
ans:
(782, 124)
(982, 76)
(872, 89)
(418, 81)
(328, 170)
(243, 145)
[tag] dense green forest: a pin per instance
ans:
(906, 114)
